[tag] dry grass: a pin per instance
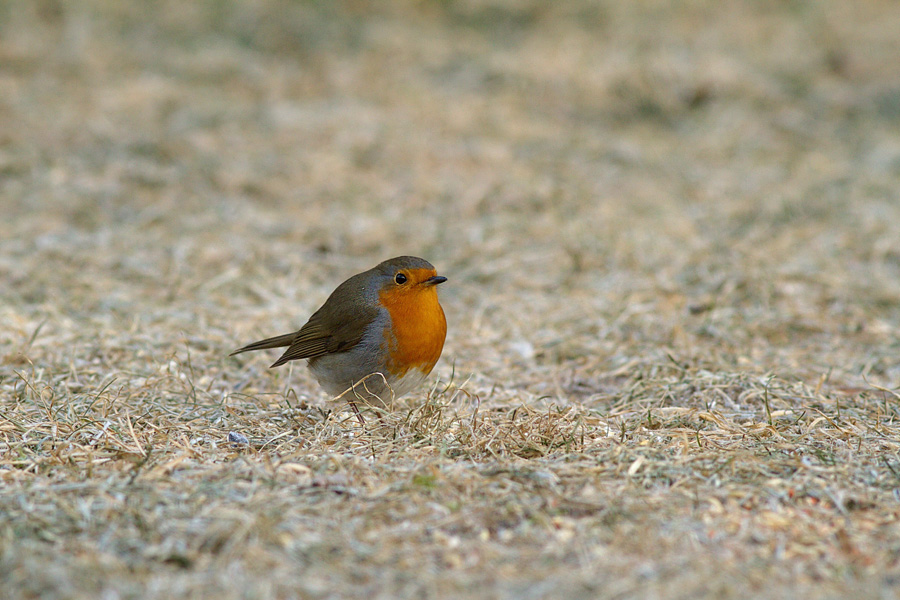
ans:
(671, 233)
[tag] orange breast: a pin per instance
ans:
(418, 326)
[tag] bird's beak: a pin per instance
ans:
(434, 280)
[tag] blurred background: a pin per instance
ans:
(672, 237)
(602, 182)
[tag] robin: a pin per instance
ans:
(382, 329)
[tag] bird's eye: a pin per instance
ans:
(400, 278)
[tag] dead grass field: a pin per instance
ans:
(672, 232)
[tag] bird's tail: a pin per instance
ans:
(279, 341)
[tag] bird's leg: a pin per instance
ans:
(358, 414)
(379, 411)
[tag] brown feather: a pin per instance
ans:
(279, 341)
(328, 331)
(337, 326)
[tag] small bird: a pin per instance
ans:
(384, 326)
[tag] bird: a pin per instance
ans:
(379, 333)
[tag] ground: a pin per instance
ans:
(672, 238)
